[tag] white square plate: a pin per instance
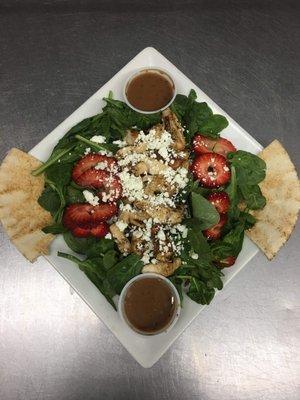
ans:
(146, 350)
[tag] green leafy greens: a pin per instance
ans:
(197, 117)
(100, 259)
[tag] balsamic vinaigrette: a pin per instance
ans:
(149, 305)
(150, 90)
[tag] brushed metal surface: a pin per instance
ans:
(244, 55)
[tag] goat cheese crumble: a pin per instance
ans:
(90, 198)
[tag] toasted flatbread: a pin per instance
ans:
(281, 187)
(21, 215)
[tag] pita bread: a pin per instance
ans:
(281, 187)
(21, 215)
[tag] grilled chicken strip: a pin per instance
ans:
(173, 126)
(163, 268)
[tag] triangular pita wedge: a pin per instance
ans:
(21, 215)
(281, 187)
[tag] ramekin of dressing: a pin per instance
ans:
(149, 304)
(149, 90)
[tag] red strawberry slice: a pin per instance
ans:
(85, 215)
(215, 231)
(223, 146)
(211, 170)
(112, 190)
(81, 232)
(90, 161)
(226, 262)
(202, 144)
(110, 185)
(93, 178)
(220, 200)
(103, 212)
(100, 230)
(77, 215)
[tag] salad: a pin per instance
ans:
(162, 192)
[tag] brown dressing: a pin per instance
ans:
(150, 90)
(149, 305)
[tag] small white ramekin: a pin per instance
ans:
(143, 69)
(148, 275)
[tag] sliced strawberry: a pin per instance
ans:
(77, 215)
(202, 144)
(103, 212)
(110, 185)
(81, 232)
(223, 146)
(93, 178)
(100, 230)
(85, 215)
(220, 200)
(226, 262)
(92, 160)
(215, 231)
(211, 170)
(111, 190)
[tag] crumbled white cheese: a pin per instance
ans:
(121, 225)
(120, 143)
(178, 177)
(105, 153)
(160, 235)
(146, 258)
(108, 236)
(125, 207)
(90, 198)
(182, 229)
(101, 165)
(132, 186)
(87, 150)
(98, 139)
(194, 256)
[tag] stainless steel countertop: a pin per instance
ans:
(245, 56)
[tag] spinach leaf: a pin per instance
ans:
(250, 169)
(123, 117)
(55, 156)
(79, 245)
(123, 271)
(55, 229)
(74, 195)
(204, 211)
(93, 270)
(231, 244)
(197, 241)
(179, 105)
(232, 191)
(60, 175)
(247, 219)
(96, 247)
(196, 116)
(178, 284)
(49, 200)
(253, 197)
(199, 292)
(97, 146)
(110, 258)
(213, 125)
